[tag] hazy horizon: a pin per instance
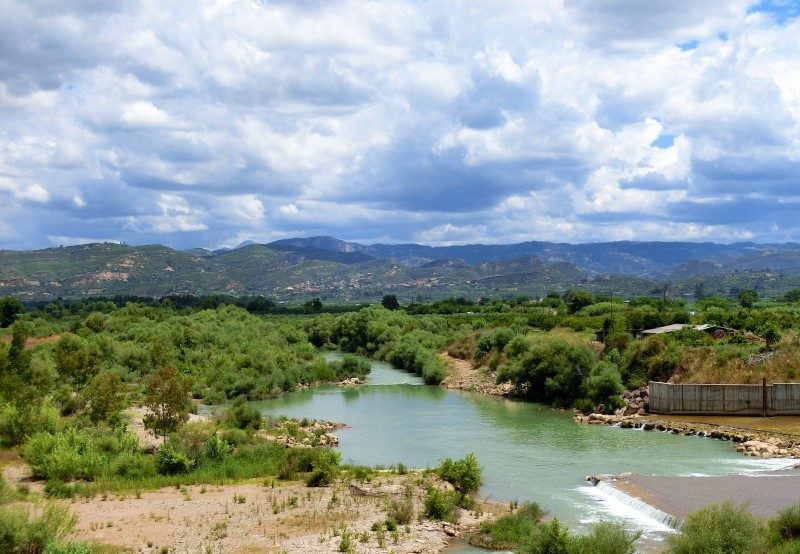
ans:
(206, 124)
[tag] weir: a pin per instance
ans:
(641, 506)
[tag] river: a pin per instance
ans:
(527, 451)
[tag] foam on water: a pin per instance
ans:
(634, 513)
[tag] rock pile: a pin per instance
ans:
(749, 442)
(771, 448)
(637, 402)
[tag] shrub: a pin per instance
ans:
(606, 538)
(604, 386)
(133, 466)
(70, 454)
(786, 525)
(440, 505)
(69, 548)
(509, 531)
(550, 538)
(18, 423)
(401, 510)
(19, 534)
(170, 462)
(719, 528)
(243, 416)
(216, 448)
(464, 475)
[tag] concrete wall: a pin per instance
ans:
(782, 399)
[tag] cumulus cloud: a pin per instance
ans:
(208, 123)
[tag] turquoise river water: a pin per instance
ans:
(527, 451)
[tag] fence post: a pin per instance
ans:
(764, 396)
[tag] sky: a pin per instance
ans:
(208, 123)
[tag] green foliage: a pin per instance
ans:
(10, 308)
(441, 505)
(401, 510)
(168, 461)
(167, 398)
(606, 538)
(390, 302)
(719, 528)
(577, 300)
(243, 416)
(464, 474)
(22, 534)
(77, 358)
(509, 531)
(604, 386)
(17, 422)
(747, 298)
(104, 395)
(552, 371)
(785, 526)
(74, 454)
(549, 538)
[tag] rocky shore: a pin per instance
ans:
(749, 442)
(293, 433)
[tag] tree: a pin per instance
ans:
(104, 395)
(771, 334)
(10, 307)
(577, 299)
(390, 302)
(167, 399)
(747, 297)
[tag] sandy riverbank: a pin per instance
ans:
(462, 376)
(266, 516)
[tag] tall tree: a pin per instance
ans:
(167, 399)
(390, 302)
(10, 307)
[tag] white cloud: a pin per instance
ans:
(400, 120)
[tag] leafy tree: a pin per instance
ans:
(577, 299)
(76, 358)
(747, 297)
(390, 302)
(10, 307)
(771, 334)
(792, 296)
(604, 386)
(167, 398)
(553, 372)
(243, 416)
(104, 395)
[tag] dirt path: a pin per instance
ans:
(463, 376)
(34, 341)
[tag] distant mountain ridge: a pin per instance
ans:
(334, 269)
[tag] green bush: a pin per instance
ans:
(440, 505)
(401, 510)
(549, 538)
(242, 415)
(170, 462)
(18, 423)
(509, 531)
(133, 466)
(69, 548)
(70, 454)
(464, 475)
(216, 448)
(786, 525)
(719, 528)
(606, 538)
(604, 386)
(19, 534)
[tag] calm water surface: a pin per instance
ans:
(527, 451)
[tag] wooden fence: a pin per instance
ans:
(763, 399)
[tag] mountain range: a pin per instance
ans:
(333, 269)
